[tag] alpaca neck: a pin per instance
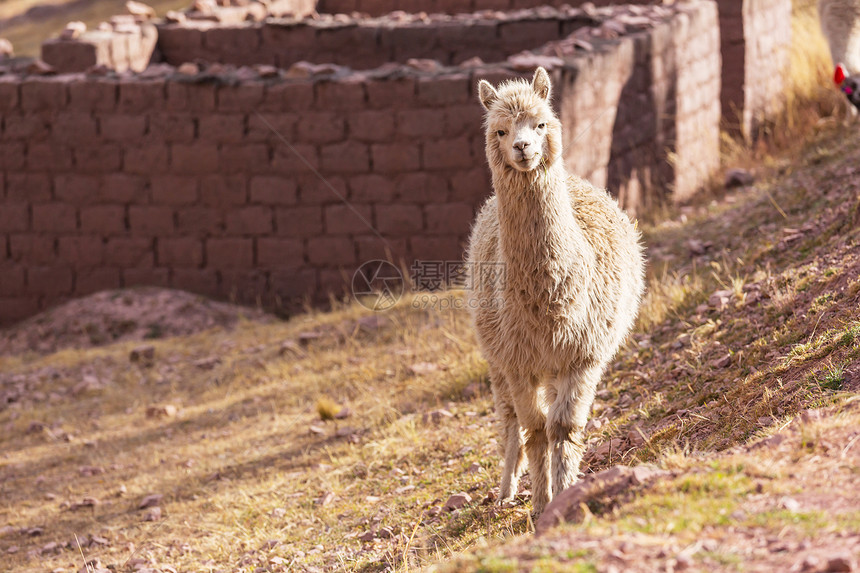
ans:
(538, 230)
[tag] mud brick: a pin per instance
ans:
(90, 94)
(104, 158)
(88, 281)
(398, 219)
(171, 127)
(271, 127)
(390, 93)
(447, 154)
(463, 119)
(196, 159)
(276, 253)
(200, 221)
(49, 280)
(122, 127)
(145, 277)
(179, 39)
(81, 252)
(371, 188)
(11, 280)
(231, 253)
(180, 252)
(122, 188)
(32, 249)
(335, 283)
(421, 123)
(33, 127)
(17, 308)
(445, 248)
(321, 127)
(288, 96)
(244, 158)
(77, 189)
(371, 126)
(243, 286)
(49, 156)
(201, 281)
(342, 218)
(373, 247)
(127, 252)
(11, 155)
(422, 188)
(272, 190)
(345, 94)
(298, 221)
(9, 93)
(294, 159)
(520, 35)
(471, 185)
(54, 217)
(229, 40)
(28, 187)
(103, 219)
(74, 127)
(44, 94)
(223, 190)
(146, 160)
(314, 191)
(197, 98)
(293, 285)
(395, 157)
(444, 90)
(174, 189)
(14, 217)
(254, 220)
(141, 95)
(331, 251)
(150, 221)
(449, 218)
(222, 127)
(239, 98)
(346, 157)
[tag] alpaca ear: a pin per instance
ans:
(541, 83)
(487, 93)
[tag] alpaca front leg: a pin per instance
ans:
(537, 450)
(566, 420)
(512, 445)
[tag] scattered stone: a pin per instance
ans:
(739, 178)
(85, 502)
(175, 17)
(423, 64)
(721, 299)
(436, 416)
(150, 501)
(434, 511)
(721, 362)
(143, 354)
(154, 514)
(88, 471)
(325, 499)
(457, 501)
(165, 411)
(290, 347)
(808, 416)
(7, 530)
(343, 413)
(839, 563)
(384, 533)
(73, 30)
(33, 531)
(6, 49)
(527, 62)
(367, 536)
(789, 504)
(140, 10)
(422, 368)
(474, 468)
(316, 430)
(208, 363)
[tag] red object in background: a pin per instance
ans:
(839, 75)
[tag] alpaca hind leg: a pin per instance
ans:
(568, 414)
(511, 437)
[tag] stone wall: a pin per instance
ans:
(207, 182)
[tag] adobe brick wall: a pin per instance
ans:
(756, 42)
(380, 7)
(362, 43)
(164, 179)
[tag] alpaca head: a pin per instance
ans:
(523, 133)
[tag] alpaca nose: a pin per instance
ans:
(521, 144)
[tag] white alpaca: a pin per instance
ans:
(840, 23)
(570, 281)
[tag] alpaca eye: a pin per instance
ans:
(541, 125)
(501, 133)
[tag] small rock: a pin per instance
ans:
(808, 416)
(290, 347)
(457, 501)
(721, 362)
(265, 71)
(739, 178)
(325, 499)
(384, 533)
(423, 65)
(343, 413)
(73, 30)
(527, 62)
(790, 504)
(434, 511)
(367, 536)
(140, 9)
(474, 468)
(175, 17)
(150, 501)
(436, 416)
(721, 299)
(166, 411)
(839, 563)
(421, 368)
(6, 49)
(7, 530)
(208, 363)
(316, 430)
(154, 514)
(88, 471)
(471, 391)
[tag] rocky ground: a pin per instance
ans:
(176, 434)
